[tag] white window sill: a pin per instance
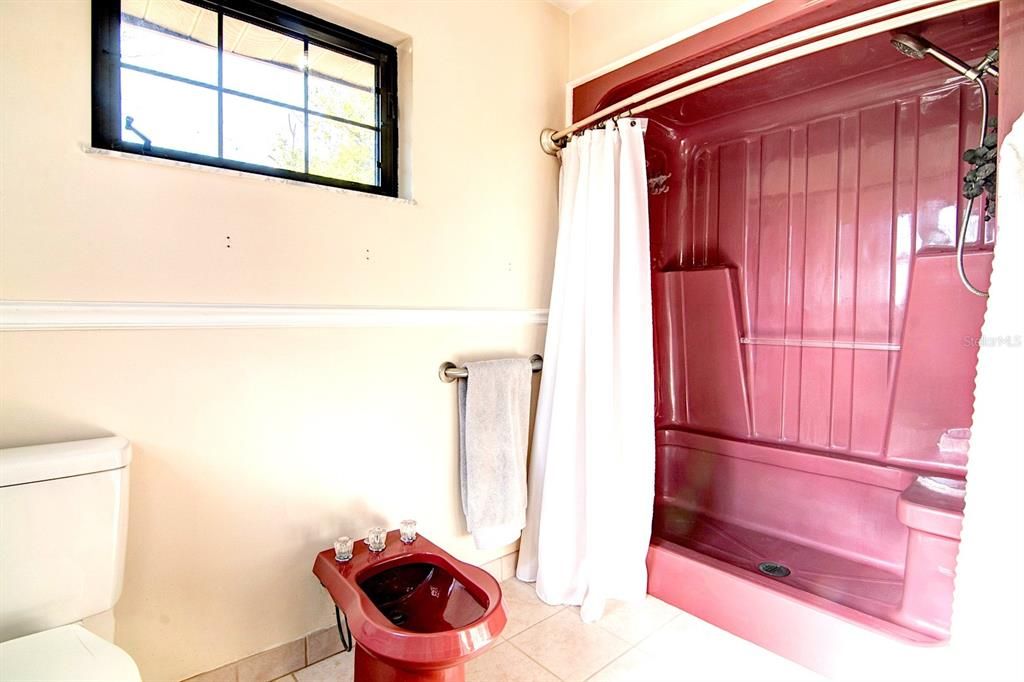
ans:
(109, 153)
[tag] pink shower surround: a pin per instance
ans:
(831, 230)
(813, 343)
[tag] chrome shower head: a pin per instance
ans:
(917, 47)
(912, 46)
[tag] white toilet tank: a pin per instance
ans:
(63, 525)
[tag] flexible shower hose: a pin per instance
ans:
(961, 237)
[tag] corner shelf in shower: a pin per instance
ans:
(817, 343)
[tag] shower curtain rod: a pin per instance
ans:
(827, 35)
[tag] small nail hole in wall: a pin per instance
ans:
(229, 241)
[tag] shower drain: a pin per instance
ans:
(773, 569)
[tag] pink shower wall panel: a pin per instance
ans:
(786, 503)
(821, 221)
(935, 379)
(697, 347)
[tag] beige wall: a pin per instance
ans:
(606, 31)
(254, 448)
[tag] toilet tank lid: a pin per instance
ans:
(35, 463)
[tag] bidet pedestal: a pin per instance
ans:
(372, 669)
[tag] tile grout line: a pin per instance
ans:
(533, 625)
(615, 635)
(637, 644)
(650, 634)
(629, 646)
(526, 653)
(539, 664)
(611, 662)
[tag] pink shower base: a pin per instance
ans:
(871, 590)
(819, 634)
(865, 543)
(870, 549)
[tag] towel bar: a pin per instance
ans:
(449, 371)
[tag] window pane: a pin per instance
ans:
(342, 86)
(172, 114)
(345, 152)
(263, 63)
(170, 36)
(264, 134)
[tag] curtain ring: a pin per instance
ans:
(632, 124)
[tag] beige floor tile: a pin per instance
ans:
(505, 663)
(638, 665)
(286, 678)
(568, 647)
(634, 622)
(680, 634)
(337, 668)
(701, 651)
(523, 606)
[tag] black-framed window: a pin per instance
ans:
(249, 85)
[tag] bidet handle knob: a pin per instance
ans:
(376, 539)
(343, 548)
(407, 531)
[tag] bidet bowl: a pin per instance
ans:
(421, 597)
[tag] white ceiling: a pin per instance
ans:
(570, 6)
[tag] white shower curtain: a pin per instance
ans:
(591, 486)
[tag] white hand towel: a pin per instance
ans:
(494, 424)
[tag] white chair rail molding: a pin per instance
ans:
(68, 315)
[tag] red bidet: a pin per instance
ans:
(416, 613)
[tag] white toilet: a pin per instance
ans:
(63, 525)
